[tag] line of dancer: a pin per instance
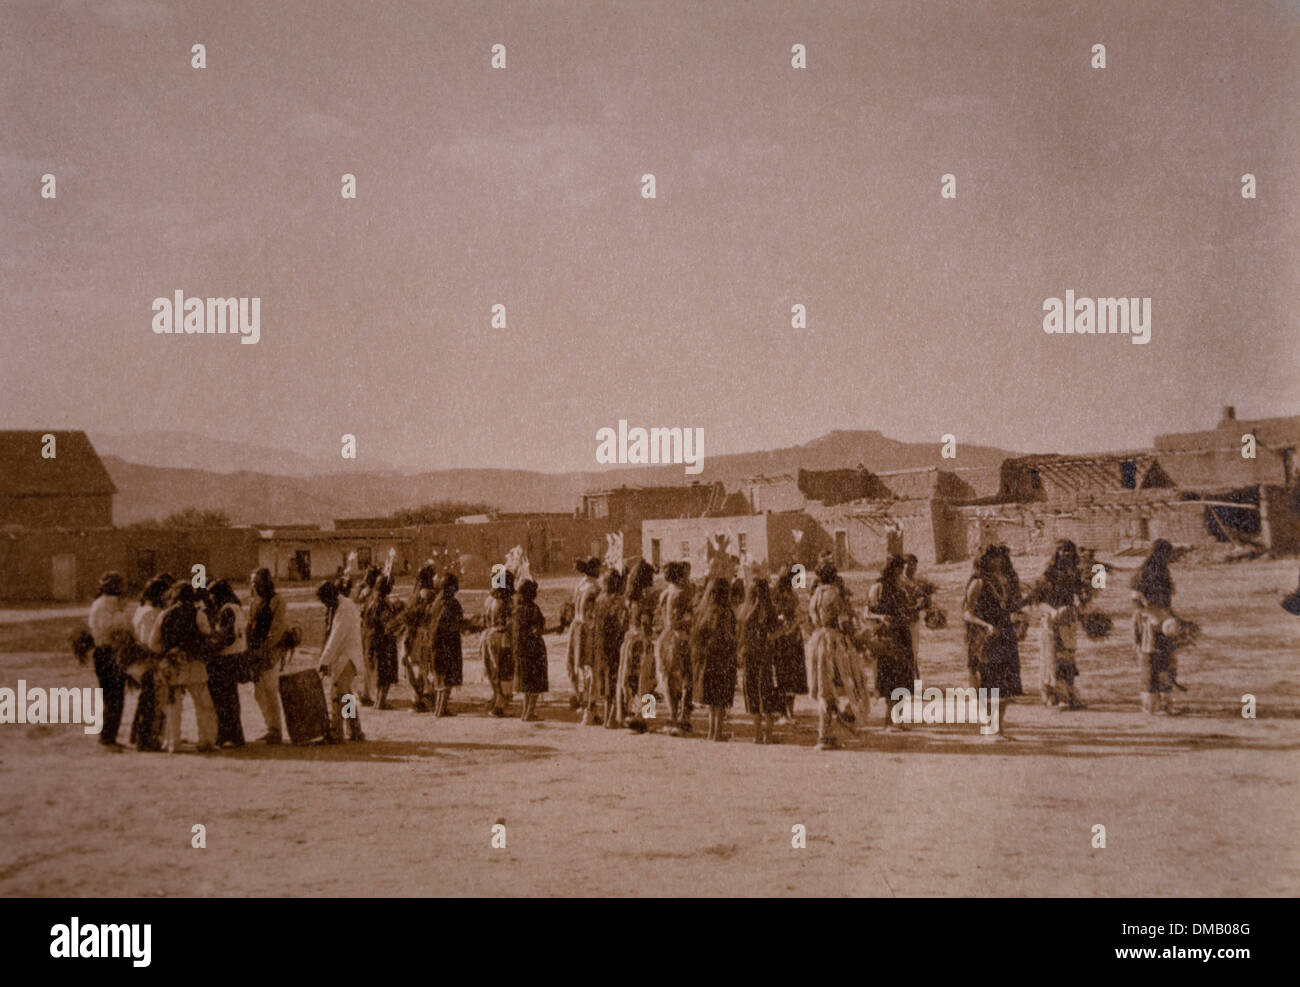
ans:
(634, 647)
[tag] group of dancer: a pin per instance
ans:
(627, 643)
(630, 646)
(180, 640)
(423, 635)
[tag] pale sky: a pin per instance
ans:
(522, 187)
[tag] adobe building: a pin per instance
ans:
(625, 506)
(551, 543)
(308, 552)
(793, 491)
(775, 540)
(65, 564)
(1213, 459)
(72, 489)
(1194, 488)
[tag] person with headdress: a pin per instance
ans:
(378, 623)
(737, 593)
(529, 647)
(757, 630)
(332, 605)
(364, 600)
(416, 624)
(146, 726)
(787, 644)
(494, 643)
(226, 652)
(834, 666)
(713, 655)
(110, 626)
(1153, 594)
(580, 654)
(920, 593)
(341, 660)
(448, 662)
(611, 617)
(672, 649)
(1059, 596)
(267, 627)
(636, 659)
(180, 637)
(890, 600)
(992, 652)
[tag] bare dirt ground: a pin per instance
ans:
(1205, 803)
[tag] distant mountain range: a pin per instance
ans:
(257, 485)
(187, 450)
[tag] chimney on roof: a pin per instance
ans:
(1229, 416)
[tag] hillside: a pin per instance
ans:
(154, 491)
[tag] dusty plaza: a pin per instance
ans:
(770, 456)
(1198, 804)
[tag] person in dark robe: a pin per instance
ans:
(788, 653)
(1153, 593)
(713, 655)
(610, 617)
(992, 651)
(448, 662)
(890, 600)
(529, 647)
(225, 653)
(756, 652)
(377, 625)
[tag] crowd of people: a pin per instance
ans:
(179, 641)
(629, 646)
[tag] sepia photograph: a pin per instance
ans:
(440, 440)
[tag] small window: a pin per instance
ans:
(686, 550)
(654, 552)
(742, 541)
(363, 556)
(1128, 474)
(601, 508)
